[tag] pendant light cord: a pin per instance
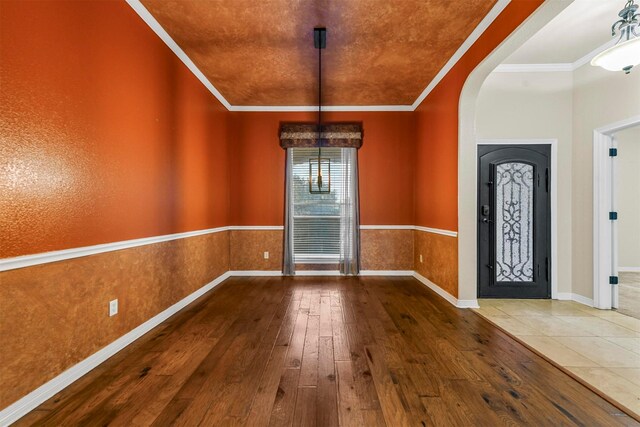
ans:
(319, 103)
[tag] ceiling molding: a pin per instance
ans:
(312, 108)
(166, 38)
(534, 68)
(560, 67)
(148, 18)
(473, 37)
(589, 56)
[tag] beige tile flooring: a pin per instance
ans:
(629, 293)
(601, 347)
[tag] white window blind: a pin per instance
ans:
(316, 217)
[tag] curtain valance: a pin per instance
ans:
(305, 135)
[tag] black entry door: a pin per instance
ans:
(514, 221)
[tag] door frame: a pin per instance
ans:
(554, 197)
(605, 231)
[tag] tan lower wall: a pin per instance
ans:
(387, 249)
(54, 315)
(439, 259)
(247, 248)
(381, 250)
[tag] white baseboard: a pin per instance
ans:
(20, 408)
(386, 272)
(251, 273)
(629, 269)
(568, 296)
(467, 303)
(317, 273)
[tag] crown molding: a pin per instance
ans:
(148, 18)
(534, 68)
(473, 37)
(589, 56)
(314, 108)
(166, 38)
(559, 67)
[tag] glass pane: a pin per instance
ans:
(316, 215)
(514, 222)
(310, 204)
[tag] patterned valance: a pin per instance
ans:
(300, 135)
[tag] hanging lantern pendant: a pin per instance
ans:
(319, 42)
(319, 171)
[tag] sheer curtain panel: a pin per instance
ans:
(350, 214)
(288, 260)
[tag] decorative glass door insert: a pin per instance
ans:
(514, 222)
(514, 233)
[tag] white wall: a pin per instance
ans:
(599, 98)
(566, 106)
(535, 106)
(628, 197)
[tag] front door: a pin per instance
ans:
(514, 221)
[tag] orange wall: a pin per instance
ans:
(385, 161)
(104, 134)
(437, 126)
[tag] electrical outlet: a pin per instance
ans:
(266, 255)
(113, 307)
(421, 258)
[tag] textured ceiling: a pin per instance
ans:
(379, 52)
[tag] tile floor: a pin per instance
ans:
(601, 347)
(629, 293)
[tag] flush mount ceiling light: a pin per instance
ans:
(626, 52)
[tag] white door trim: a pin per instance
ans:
(467, 140)
(604, 230)
(554, 196)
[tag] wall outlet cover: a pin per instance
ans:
(113, 307)
(266, 255)
(420, 257)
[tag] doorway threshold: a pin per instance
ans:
(598, 348)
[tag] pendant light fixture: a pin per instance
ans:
(321, 167)
(626, 52)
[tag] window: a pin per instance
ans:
(316, 216)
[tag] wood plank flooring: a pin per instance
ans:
(326, 352)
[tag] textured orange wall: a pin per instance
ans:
(54, 315)
(436, 203)
(104, 134)
(385, 159)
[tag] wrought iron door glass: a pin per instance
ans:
(514, 222)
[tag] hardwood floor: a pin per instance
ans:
(325, 352)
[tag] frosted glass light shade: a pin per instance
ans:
(620, 57)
